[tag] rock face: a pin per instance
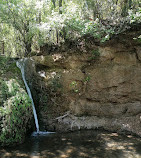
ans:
(100, 88)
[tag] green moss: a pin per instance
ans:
(95, 54)
(15, 105)
(16, 114)
(13, 68)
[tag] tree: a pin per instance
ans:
(35, 22)
(53, 1)
(60, 6)
(21, 16)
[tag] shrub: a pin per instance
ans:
(15, 105)
(16, 116)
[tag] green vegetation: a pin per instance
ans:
(74, 86)
(138, 39)
(15, 105)
(87, 79)
(95, 54)
(16, 116)
(55, 84)
(135, 17)
(28, 24)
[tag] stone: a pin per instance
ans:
(106, 53)
(138, 50)
(125, 58)
(99, 93)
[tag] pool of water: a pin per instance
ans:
(80, 144)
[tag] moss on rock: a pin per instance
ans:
(15, 105)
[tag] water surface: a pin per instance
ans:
(80, 144)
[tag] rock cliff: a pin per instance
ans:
(97, 88)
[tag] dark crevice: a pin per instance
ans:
(125, 110)
(45, 67)
(137, 57)
(112, 59)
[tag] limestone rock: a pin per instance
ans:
(138, 49)
(103, 92)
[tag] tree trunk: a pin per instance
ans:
(116, 2)
(40, 15)
(130, 4)
(60, 6)
(64, 33)
(125, 8)
(95, 10)
(53, 1)
(3, 47)
(27, 48)
(57, 36)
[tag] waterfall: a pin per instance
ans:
(21, 65)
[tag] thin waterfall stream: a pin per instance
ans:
(21, 65)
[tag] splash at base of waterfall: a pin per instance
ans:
(41, 133)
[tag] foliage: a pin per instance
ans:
(27, 25)
(15, 105)
(87, 79)
(95, 54)
(135, 17)
(74, 86)
(138, 39)
(19, 16)
(16, 115)
(54, 82)
(82, 20)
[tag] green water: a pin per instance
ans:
(80, 144)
